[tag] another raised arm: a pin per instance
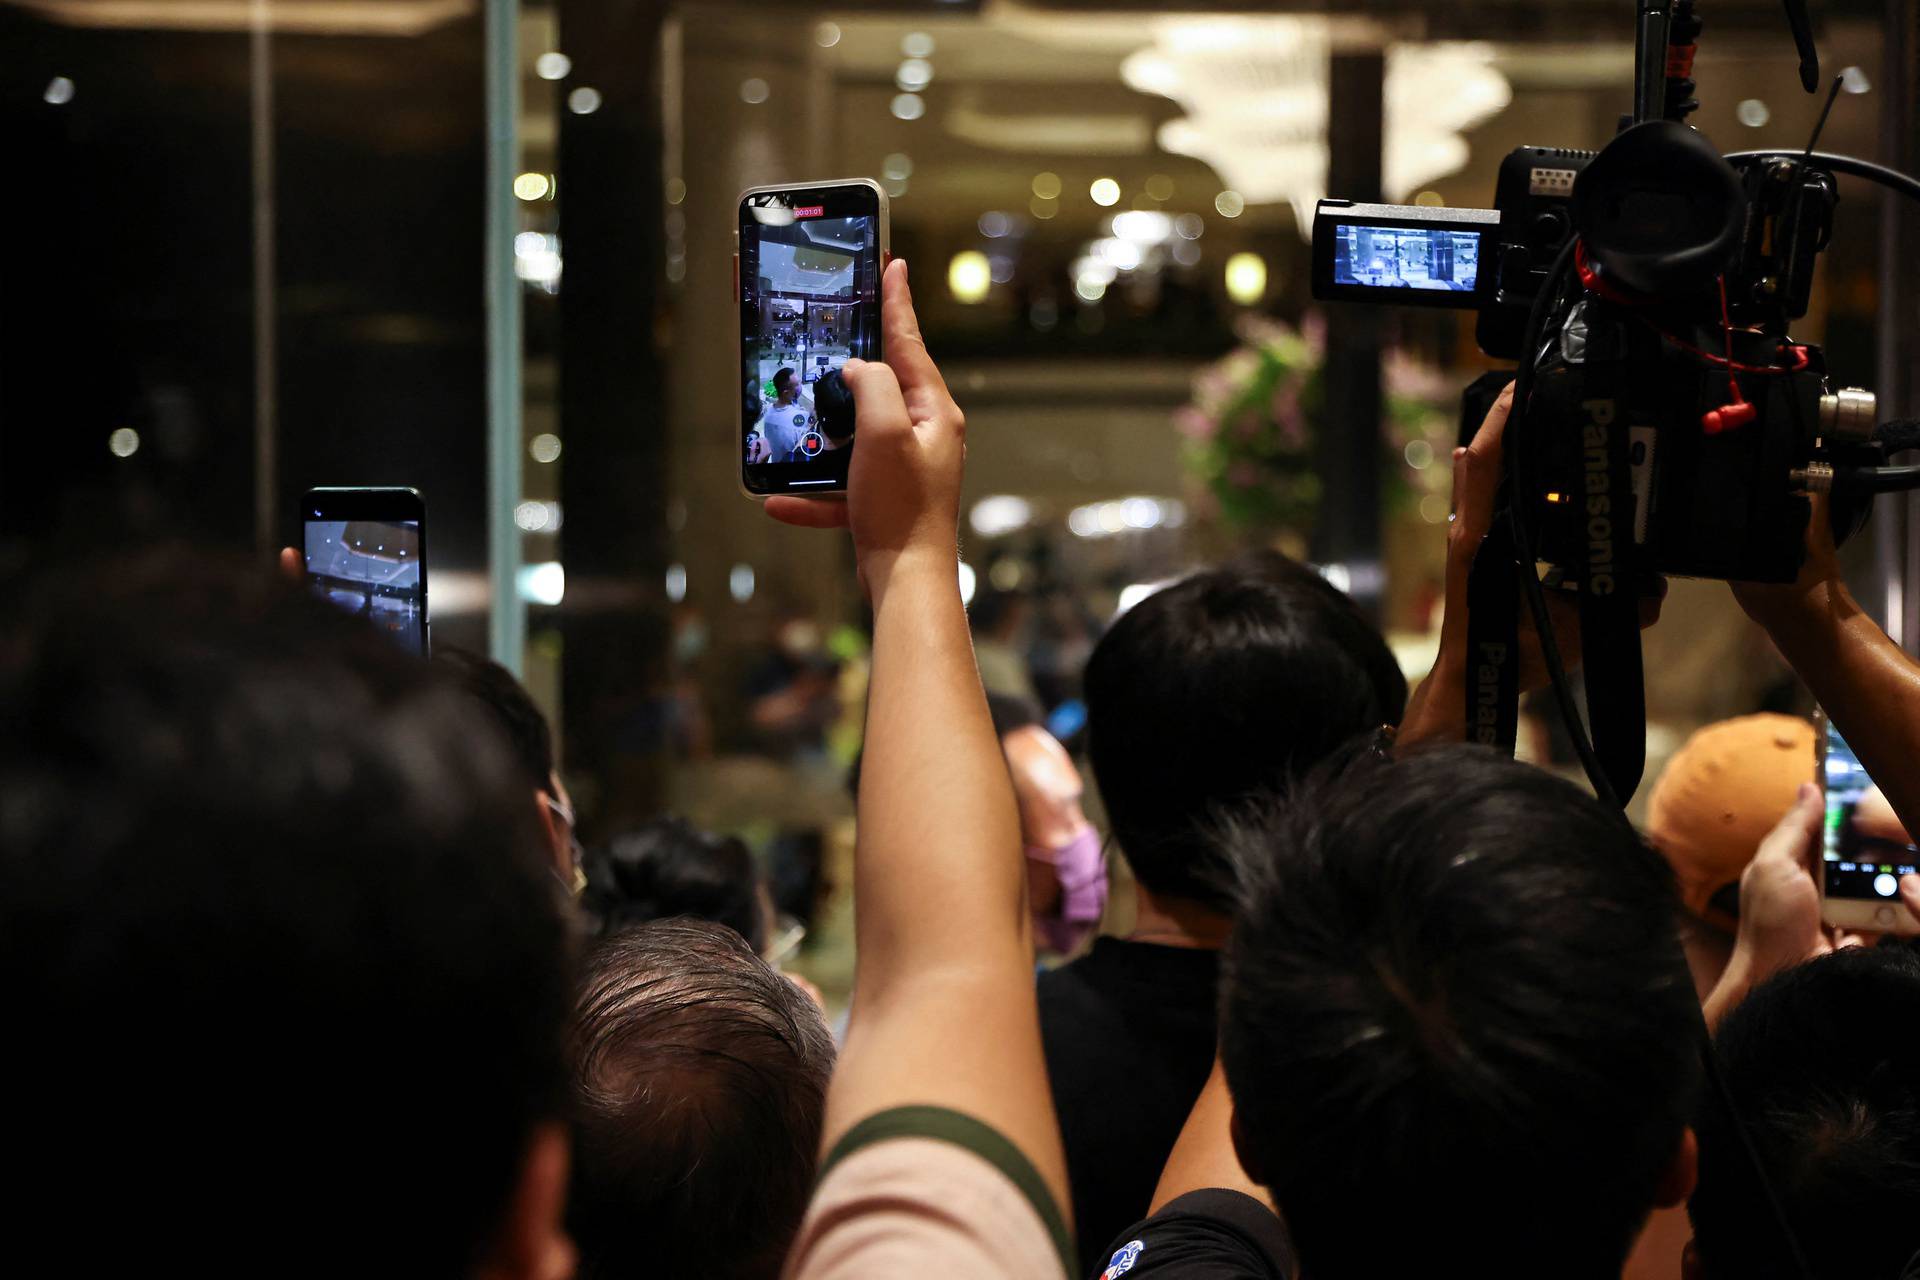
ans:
(944, 1011)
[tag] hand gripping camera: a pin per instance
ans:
(1665, 420)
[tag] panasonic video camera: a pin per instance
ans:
(1665, 419)
(1672, 425)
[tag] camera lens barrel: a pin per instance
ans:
(1849, 414)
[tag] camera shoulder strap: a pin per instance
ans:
(1609, 601)
(1493, 640)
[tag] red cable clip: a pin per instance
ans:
(1736, 413)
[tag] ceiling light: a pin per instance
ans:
(1143, 226)
(1254, 94)
(917, 44)
(1246, 278)
(584, 101)
(995, 224)
(552, 65)
(827, 35)
(908, 106)
(1105, 191)
(999, 514)
(1046, 186)
(1230, 204)
(754, 91)
(1753, 113)
(123, 443)
(1854, 80)
(1095, 269)
(970, 276)
(544, 583)
(1121, 255)
(914, 75)
(532, 186)
(897, 165)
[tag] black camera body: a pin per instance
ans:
(1625, 482)
(1665, 421)
(1533, 195)
(1672, 308)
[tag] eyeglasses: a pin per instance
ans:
(788, 934)
(576, 855)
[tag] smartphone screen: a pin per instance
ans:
(366, 553)
(1866, 849)
(810, 264)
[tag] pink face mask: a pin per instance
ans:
(1082, 873)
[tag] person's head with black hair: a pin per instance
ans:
(671, 868)
(1455, 994)
(524, 726)
(1823, 1065)
(833, 402)
(700, 1085)
(290, 979)
(786, 386)
(1229, 682)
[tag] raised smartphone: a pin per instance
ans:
(1864, 849)
(366, 551)
(809, 281)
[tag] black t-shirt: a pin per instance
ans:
(1203, 1235)
(1129, 1033)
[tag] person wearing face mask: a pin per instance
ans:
(1066, 867)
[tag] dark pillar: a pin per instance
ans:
(612, 421)
(1897, 519)
(1348, 530)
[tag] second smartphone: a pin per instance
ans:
(366, 552)
(1864, 850)
(810, 263)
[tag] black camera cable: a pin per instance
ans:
(1892, 179)
(1518, 490)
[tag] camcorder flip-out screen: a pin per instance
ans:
(1409, 255)
(810, 264)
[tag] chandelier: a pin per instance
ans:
(1254, 93)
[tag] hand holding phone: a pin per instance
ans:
(903, 497)
(809, 265)
(366, 551)
(1867, 857)
(1780, 923)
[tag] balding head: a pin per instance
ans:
(700, 1082)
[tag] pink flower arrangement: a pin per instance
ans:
(1248, 434)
